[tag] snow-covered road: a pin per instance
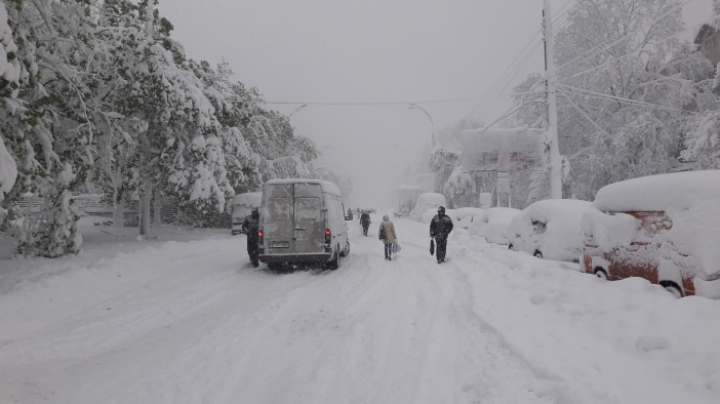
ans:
(192, 322)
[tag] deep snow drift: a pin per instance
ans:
(193, 322)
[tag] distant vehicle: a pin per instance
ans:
(550, 229)
(302, 220)
(425, 202)
(494, 225)
(663, 228)
(242, 206)
(405, 199)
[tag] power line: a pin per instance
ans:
(502, 76)
(626, 100)
(351, 103)
(509, 81)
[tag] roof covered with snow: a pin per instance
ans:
(660, 192)
(326, 186)
(249, 198)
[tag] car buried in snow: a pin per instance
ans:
(663, 228)
(494, 224)
(549, 229)
(302, 220)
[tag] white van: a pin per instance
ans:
(242, 206)
(302, 220)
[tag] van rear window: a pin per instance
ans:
(279, 191)
(278, 210)
(308, 190)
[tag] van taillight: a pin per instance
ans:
(328, 236)
(260, 237)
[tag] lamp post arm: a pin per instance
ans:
(419, 108)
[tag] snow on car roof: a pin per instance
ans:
(562, 210)
(501, 214)
(326, 186)
(660, 192)
(432, 198)
(249, 198)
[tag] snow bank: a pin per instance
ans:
(551, 227)
(630, 338)
(425, 202)
(660, 192)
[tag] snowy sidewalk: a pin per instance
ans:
(193, 322)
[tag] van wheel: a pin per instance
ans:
(538, 254)
(510, 246)
(600, 273)
(672, 287)
(346, 251)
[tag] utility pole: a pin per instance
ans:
(551, 86)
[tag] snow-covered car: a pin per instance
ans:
(405, 199)
(425, 202)
(550, 229)
(663, 228)
(494, 224)
(242, 206)
(464, 217)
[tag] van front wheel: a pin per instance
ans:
(600, 273)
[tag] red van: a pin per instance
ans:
(663, 228)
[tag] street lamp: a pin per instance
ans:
(419, 108)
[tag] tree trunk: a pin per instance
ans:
(157, 210)
(118, 209)
(144, 209)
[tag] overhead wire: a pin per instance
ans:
(502, 76)
(380, 102)
(508, 76)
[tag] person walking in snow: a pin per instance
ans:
(250, 228)
(440, 227)
(387, 236)
(365, 222)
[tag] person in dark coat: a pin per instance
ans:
(349, 214)
(365, 222)
(250, 227)
(440, 227)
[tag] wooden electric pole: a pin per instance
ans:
(555, 160)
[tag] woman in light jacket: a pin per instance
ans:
(390, 237)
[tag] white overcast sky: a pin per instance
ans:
(372, 51)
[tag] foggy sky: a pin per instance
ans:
(371, 51)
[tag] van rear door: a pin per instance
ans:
(309, 226)
(278, 219)
(309, 222)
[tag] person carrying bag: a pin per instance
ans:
(387, 235)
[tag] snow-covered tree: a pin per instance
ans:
(628, 88)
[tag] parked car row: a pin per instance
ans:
(663, 228)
